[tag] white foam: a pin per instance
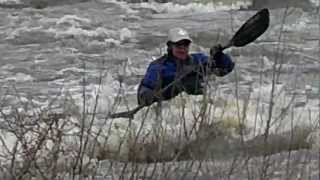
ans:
(18, 31)
(315, 2)
(76, 31)
(72, 69)
(175, 8)
(301, 24)
(199, 7)
(73, 20)
(112, 42)
(106, 92)
(7, 67)
(72, 25)
(10, 1)
(125, 34)
(20, 77)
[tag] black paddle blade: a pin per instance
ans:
(251, 29)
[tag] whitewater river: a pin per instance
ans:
(62, 53)
(51, 53)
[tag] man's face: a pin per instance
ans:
(180, 49)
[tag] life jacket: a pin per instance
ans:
(162, 74)
(163, 71)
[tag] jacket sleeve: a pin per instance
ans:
(149, 84)
(152, 76)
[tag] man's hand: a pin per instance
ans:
(215, 50)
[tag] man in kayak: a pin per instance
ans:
(179, 71)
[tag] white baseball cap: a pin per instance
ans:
(178, 34)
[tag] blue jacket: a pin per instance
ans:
(162, 73)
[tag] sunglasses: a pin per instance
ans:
(181, 44)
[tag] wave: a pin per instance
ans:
(38, 4)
